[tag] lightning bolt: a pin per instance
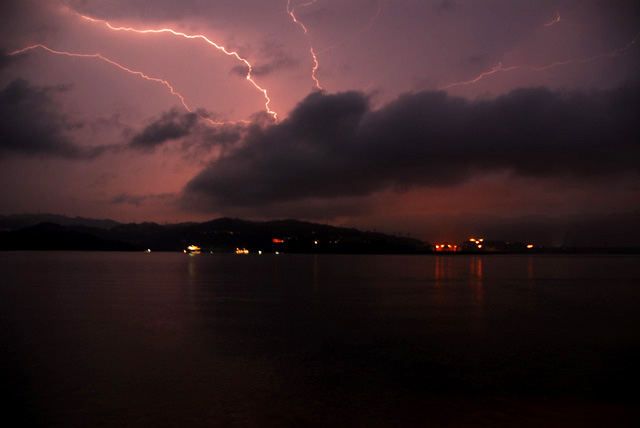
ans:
(123, 68)
(293, 17)
(558, 19)
(197, 37)
(494, 70)
(499, 68)
(316, 64)
(314, 54)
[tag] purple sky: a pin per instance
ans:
(429, 109)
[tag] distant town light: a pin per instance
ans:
(446, 247)
(192, 249)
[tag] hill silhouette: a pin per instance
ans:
(219, 235)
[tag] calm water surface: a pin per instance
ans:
(164, 340)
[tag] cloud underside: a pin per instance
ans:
(32, 124)
(171, 125)
(179, 125)
(335, 149)
(337, 146)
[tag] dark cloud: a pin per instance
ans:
(175, 124)
(271, 57)
(209, 137)
(240, 70)
(31, 123)
(170, 126)
(265, 68)
(334, 146)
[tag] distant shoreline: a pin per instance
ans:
(229, 235)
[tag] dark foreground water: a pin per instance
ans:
(168, 340)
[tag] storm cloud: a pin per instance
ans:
(272, 57)
(32, 125)
(189, 127)
(170, 126)
(333, 146)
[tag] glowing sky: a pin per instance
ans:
(428, 109)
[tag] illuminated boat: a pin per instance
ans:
(192, 249)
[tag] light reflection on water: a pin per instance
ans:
(124, 339)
